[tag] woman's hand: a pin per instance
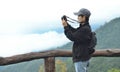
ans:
(64, 22)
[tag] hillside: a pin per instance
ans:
(108, 36)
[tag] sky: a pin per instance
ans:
(17, 16)
(19, 19)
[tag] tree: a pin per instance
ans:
(41, 69)
(60, 66)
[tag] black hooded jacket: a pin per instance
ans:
(81, 39)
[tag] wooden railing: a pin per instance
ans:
(49, 57)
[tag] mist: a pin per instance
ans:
(18, 44)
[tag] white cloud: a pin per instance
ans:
(22, 27)
(12, 45)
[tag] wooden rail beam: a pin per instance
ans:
(54, 53)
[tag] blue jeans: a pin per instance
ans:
(81, 66)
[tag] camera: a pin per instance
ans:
(64, 18)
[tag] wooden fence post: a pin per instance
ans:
(49, 64)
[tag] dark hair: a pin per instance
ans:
(86, 18)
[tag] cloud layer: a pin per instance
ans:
(19, 44)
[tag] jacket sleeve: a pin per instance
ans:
(71, 28)
(80, 35)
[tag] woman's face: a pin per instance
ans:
(81, 18)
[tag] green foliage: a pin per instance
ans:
(114, 70)
(41, 68)
(108, 35)
(60, 66)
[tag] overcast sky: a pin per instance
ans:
(18, 15)
(23, 16)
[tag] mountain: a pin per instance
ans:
(108, 36)
(31, 66)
